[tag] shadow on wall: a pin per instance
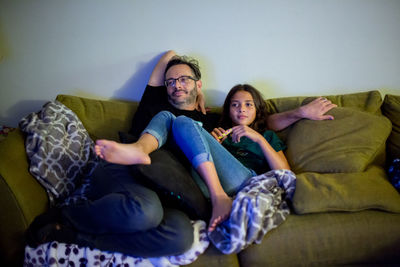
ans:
(214, 98)
(134, 87)
(20, 110)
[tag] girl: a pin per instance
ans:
(244, 134)
(222, 174)
(244, 114)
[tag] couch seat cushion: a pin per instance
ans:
(371, 189)
(329, 239)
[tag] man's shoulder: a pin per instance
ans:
(213, 115)
(154, 95)
(154, 89)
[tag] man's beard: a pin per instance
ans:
(189, 100)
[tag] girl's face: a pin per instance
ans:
(242, 109)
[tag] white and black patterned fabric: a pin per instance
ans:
(61, 254)
(60, 150)
(258, 208)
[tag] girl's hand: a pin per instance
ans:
(243, 130)
(217, 133)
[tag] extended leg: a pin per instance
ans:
(221, 202)
(153, 137)
(200, 148)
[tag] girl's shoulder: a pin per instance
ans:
(274, 140)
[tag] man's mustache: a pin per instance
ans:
(177, 91)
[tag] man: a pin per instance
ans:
(123, 215)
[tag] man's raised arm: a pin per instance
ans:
(157, 76)
(314, 110)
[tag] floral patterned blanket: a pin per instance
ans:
(60, 254)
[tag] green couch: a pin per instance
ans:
(345, 211)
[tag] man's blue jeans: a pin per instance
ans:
(121, 215)
(200, 146)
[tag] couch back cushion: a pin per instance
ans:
(104, 118)
(365, 101)
(349, 143)
(391, 109)
(101, 118)
(369, 101)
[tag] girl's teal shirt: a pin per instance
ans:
(250, 154)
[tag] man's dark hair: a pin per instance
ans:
(260, 122)
(191, 62)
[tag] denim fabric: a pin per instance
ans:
(121, 215)
(199, 146)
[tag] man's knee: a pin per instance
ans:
(180, 125)
(146, 212)
(166, 114)
(182, 120)
(184, 235)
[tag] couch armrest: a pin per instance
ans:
(22, 198)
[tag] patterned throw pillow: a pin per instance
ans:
(59, 149)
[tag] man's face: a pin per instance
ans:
(182, 96)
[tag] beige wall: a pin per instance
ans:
(107, 49)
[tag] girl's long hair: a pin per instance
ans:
(260, 122)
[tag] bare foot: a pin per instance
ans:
(125, 154)
(221, 210)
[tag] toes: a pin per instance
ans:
(213, 223)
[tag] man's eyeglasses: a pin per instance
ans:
(183, 80)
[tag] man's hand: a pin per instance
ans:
(201, 102)
(316, 109)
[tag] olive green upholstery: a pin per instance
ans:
(391, 109)
(344, 211)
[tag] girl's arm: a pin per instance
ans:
(276, 160)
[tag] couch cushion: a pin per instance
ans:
(371, 189)
(349, 143)
(168, 176)
(391, 109)
(365, 101)
(173, 182)
(101, 118)
(369, 101)
(329, 239)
